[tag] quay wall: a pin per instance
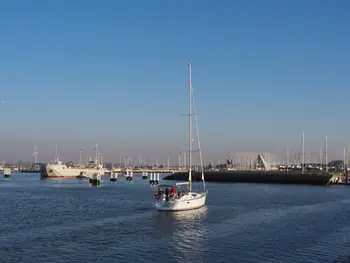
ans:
(276, 177)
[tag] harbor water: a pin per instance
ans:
(71, 221)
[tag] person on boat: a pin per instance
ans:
(159, 193)
(167, 194)
(173, 191)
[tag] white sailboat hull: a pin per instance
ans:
(189, 201)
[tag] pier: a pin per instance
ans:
(142, 171)
(272, 177)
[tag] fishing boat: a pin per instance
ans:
(181, 196)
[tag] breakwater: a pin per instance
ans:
(29, 171)
(276, 177)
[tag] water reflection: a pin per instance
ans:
(188, 241)
(126, 182)
(185, 230)
(195, 214)
(95, 185)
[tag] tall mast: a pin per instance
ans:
(184, 161)
(347, 157)
(96, 160)
(35, 154)
(346, 166)
(326, 152)
(80, 157)
(197, 129)
(190, 130)
(303, 158)
(57, 153)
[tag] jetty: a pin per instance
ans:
(143, 171)
(264, 172)
(271, 177)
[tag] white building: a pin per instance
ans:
(254, 160)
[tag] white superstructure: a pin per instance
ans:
(59, 170)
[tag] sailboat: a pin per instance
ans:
(177, 198)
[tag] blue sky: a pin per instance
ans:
(78, 73)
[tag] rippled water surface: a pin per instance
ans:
(70, 221)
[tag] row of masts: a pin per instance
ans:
(241, 162)
(325, 153)
(291, 158)
(125, 160)
(297, 158)
(98, 155)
